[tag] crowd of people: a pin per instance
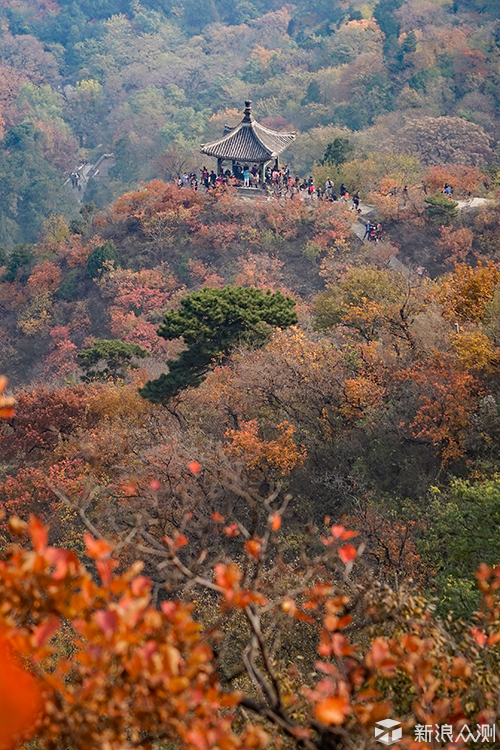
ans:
(280, 183)
(277, 182)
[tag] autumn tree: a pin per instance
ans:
(211, 322)
(368, 300)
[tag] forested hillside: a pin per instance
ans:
(241, 434)
(150, 81)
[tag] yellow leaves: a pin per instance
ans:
(466, 294)
(281, 454)
(36, 315)
(89, 89)
(475, 351)
(361, 394)
(263, 56)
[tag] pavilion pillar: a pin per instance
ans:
(219, 166)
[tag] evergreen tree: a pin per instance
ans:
(102, 255)
(338, 152)
(109, 358)
(441, 209)
(211, 322)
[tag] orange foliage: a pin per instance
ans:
(131, 670)
(457, 242)
(46, 277)
(20, 699)
(281, 454)
(446, 401)
(6, 402)
(464, 180)
(75, 252)
(362, 396)
(157, 201)
(467, 292)
(261, 271)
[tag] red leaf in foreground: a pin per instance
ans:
(332, 710)
(45, 631)
(98, 549)
(253, 547)
(38, 534)
(347, 553)
(20, 700)
(479, 636)
(107, 621)
(337, 531)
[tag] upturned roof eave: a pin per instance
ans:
(211, 149)
(228, 138)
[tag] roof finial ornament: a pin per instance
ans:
(248, 111)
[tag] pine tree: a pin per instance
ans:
(211, 322)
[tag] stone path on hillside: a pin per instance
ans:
(85, 172)
(369, 212)
(473, 203)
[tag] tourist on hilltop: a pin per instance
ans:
(246, 176)
(343, 190)
(355, 200)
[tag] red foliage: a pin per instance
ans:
(42, 417)
(61, 360)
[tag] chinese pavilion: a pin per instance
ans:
(249, 144)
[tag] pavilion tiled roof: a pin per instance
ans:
(249, 141)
